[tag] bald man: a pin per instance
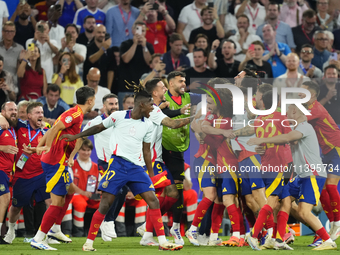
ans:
(93, 79)
(292, 78)
(100, 55)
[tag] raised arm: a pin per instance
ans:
(88, 132)
(279, 139)
(176, 123)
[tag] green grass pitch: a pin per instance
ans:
(130, 245)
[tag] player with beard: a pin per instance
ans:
(292, 78)
(86, 38)
(227, 66)
(128, 164)
(29, 177)
(110, 105)
(157, 89)
(175, 142)
(8, 149)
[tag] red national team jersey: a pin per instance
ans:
(86, 180)
(32, 166)
(275, 153)
(157, 36)
(7, 137)
(327, 131)
(60, 149)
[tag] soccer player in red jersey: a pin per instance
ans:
(58, 155)
(29, 177)
(328, 135)
(8, 149)
(217, 119)
(273, 162)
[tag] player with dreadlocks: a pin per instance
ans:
(128, 164)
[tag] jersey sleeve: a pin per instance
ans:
(111, 120)
(183, 17)
(156, 116)
(148, 136)
(303, 129)
(93, 122)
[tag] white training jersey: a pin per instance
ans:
(306, 154)
(129, 134)
(240, 142)
(101, 139)
(156, 116)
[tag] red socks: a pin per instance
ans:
(264, 214)
(242, 228)
(202, 208)
(274, 230)
(148, 222)
(156, 218)
(234, 217)
(50, 217)
(216, 217)
(323, 234)
(282, 219)
(167, 203)
(96, 221)
(335, 200)
(326, 204)
(68, 199)
(270, 222)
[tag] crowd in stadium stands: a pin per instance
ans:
(49, 49)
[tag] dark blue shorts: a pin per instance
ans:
(206, 178)
(4, 183)
(122, 172)
(306, 189)
(229, 183)
(58, 178)
(23, 189)
(250, 174)
(159, 167)
(332, 159)
(274, 183)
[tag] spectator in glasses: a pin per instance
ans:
(305, 67)
(323, 19)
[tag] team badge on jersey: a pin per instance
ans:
(2, 188)
(132, 131)
(210, 117)
(105, 184)
(68, 119)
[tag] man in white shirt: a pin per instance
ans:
(47, 47)
(189, 19)
(243, 39)
(93, 78)
(255, 12)
(128, 164)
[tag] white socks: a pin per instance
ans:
(89, 241)
(193, 228)
(56, 228)
(176, 225)
(39, 236)
(161, 239)
(236, 234)
(147, 235)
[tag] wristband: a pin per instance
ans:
(215, 21)
(61, 75)
(165, 13)
(25, 60)
(34, 41)
(103, 49)
(155, 71)
(213, 51)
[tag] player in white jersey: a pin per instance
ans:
(131, 157)
(157, 89)
(307, 185)
(110, 105)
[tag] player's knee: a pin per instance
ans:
(5, 199)
(153, 202)
(171, 191)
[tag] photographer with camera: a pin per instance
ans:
(67, 78)
(47, 47)
(157, 31)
